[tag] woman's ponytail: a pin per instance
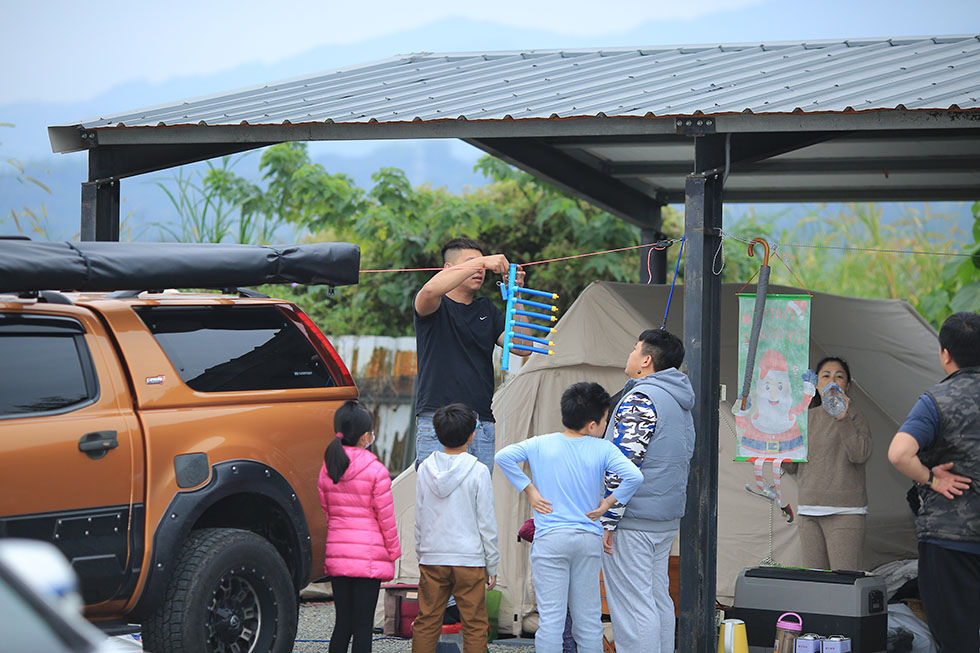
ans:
(350, 422)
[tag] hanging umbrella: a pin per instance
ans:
(774, 492)
(760, 309)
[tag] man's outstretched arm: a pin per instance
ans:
(429, 297)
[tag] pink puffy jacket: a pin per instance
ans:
(362, 537)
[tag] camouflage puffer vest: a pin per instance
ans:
(958, 399)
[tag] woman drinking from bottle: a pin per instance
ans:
(833, 500)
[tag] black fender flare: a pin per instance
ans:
(228, 478)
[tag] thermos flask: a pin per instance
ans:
(787, 630)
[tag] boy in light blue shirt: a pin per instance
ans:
(569, 469)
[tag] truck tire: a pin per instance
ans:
(230, 593)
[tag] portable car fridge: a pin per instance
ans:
(849, 603)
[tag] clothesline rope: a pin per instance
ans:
(665, 244)
(727, 235)
(659, 245)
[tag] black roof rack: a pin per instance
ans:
(245, 292)
(132, 294)
(128, 294)
(46, 296)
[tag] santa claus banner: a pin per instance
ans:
(773, 424)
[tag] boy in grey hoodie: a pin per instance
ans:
(455, 534)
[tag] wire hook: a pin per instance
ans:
(765, 245)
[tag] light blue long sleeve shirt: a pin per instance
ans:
(568, 472)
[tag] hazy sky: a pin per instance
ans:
(74, 49)
(65, 51)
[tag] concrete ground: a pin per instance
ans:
(316, 619)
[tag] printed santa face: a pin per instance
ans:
(773, 394)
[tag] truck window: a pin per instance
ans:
(236, 348)
(45, 366)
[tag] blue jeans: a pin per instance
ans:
(482, 447)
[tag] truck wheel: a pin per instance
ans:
(230, 593)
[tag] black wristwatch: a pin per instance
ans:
(928, 483)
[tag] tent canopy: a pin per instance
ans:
(892, 353)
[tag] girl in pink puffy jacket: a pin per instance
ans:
(362, 538)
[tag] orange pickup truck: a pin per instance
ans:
(169, 444)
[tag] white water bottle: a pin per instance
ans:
(832, 398)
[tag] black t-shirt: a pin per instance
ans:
(455, 355)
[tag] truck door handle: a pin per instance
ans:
(97, 443)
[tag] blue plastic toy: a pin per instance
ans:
(511, 293)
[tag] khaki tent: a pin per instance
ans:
(893, 355)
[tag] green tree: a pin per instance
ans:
(399, 226)
(855, 253)
(959, 287)
(851, 269)
(216, 206)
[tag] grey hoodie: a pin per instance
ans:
(454, 520)
(660, 502)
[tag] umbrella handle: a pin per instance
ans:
(765, 245)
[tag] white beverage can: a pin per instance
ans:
(837, 644)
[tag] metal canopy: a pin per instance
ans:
(868, 119)
(628, 130)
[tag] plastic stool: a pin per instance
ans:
(451, 639)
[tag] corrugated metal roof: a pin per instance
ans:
(939, 73)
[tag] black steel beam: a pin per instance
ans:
(576, 178)
(745, 149)
(799, 166)
(119, 161)
(860, 141)
(587, 142)
(965, 193)
(798, 194)
(884, 165)
(100, 210)
(702, 340)
(108, 164)
(72, 138)
(742, 150)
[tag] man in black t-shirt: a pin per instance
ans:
(455, 333)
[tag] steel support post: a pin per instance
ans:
(100, 210)
(702, 341)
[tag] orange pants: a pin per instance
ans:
(436, 584)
